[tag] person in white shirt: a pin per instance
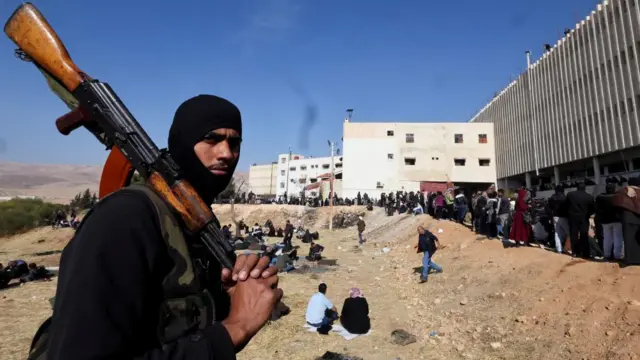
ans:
(317, 314)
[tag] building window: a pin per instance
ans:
(379, 185)
(325, 166)
(281, 185)
(484, 162)
(410, 161)
(283, 160)
(339, 165)
(313, 181)
(459, 162)
(282, 172)
(482, 138)
(458, 138)
(303, 167)
(390, 156)
(409, 138)
(293, 168)
(389, 132)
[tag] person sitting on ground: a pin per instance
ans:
(402, 209)
(315, 252)
(279, 232)
(256, 231)
(226, 232)
(307, 238)
(36, 273)
(355, 313)
(427, 244)
(417, 209)
(4, 277)
(16, 269)
(272, 231)
(320, 310)
(283, 262)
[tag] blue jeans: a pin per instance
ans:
(427, 264)
(462, 212)
(326, 320)
(360, 237)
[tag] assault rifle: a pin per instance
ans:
(95, 106)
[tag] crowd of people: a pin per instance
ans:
(604, 227)
(19, 269)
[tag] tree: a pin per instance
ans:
(85, 201)
(229, 192)
(94, 199)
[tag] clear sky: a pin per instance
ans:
(279, 61)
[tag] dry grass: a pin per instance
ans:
(566, 309)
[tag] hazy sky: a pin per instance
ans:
(281, 61)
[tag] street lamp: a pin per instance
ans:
(331, 148)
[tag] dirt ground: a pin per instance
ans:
(490, 302)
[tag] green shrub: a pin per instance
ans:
(20, 215)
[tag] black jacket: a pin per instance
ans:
(427, 242)
(355, 315)
(110, 289)
(481, 202)
(504, 206)
(557, 204)
(579, 204)
(606, 213)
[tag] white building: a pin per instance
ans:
(385, 157)
(297, 171)
(263, 179)
(574, 114)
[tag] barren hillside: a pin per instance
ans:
(490, 302)
(56, 183)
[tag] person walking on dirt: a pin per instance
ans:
(361, 226)
(427, 245)
(134, 284)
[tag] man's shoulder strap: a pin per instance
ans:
(183, 274)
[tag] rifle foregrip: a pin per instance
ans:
(70, 121)
(28, 29)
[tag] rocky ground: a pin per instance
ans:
(490, 303)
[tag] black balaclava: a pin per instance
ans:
(194, 119)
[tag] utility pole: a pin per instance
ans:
(331, 147)
(286, 190)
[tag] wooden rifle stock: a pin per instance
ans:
(33, 34)
(28, 29)
(96, 107)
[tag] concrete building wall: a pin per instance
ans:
(384, 157)
(263, 179)
(297, 171)
(579, 101)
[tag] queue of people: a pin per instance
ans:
(604, 227)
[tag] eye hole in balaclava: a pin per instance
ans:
(193, 120)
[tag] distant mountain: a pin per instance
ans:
(57, 183)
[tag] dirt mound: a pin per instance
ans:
(490, 302)
(314, 218)
(42, 246)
